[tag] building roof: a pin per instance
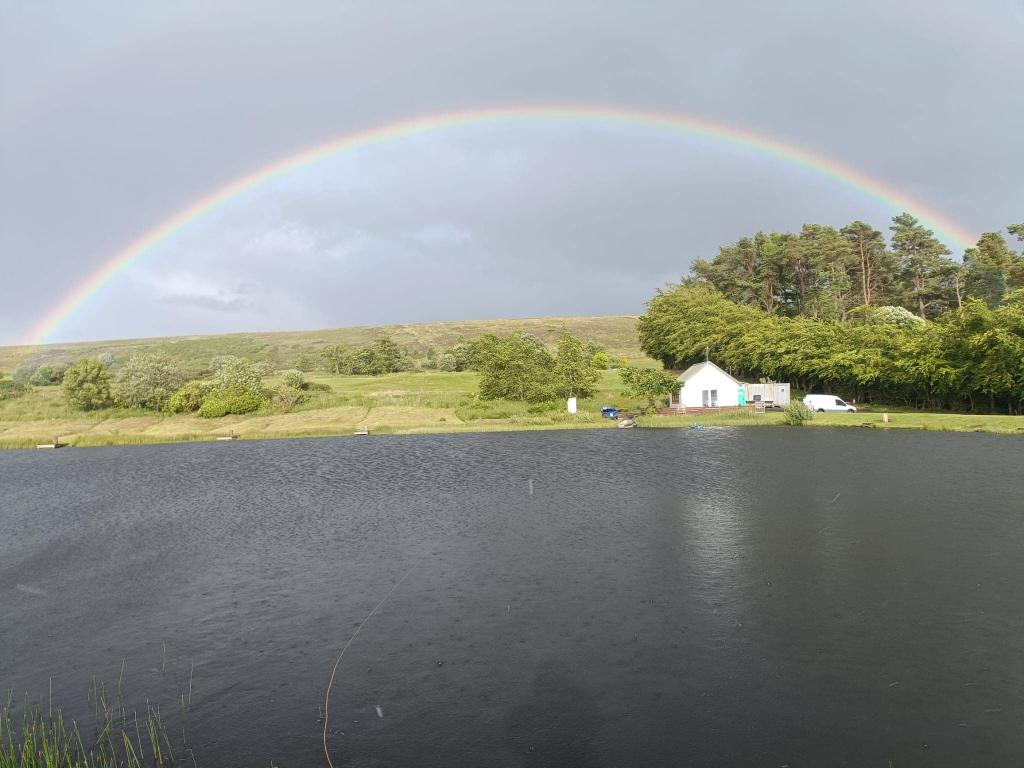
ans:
(696, 368)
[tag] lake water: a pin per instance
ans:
(731, 597)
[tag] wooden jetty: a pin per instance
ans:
(55, 444)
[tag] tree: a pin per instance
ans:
(600, 361)
(574, 375)
(992, 268)
(750, 271)
(923, 265)
(382, 356)
(220, 361)
(648, 383)
(831, 256)
(338, 357)
(868, 245)
(148, 379)
(516, 368)
(86, 385)
(238, 374)
(48, 375)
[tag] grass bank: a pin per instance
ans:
(932, 422)
(401, 403)
(405, 403)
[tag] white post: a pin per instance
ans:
(570, 404)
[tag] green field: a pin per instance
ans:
(427, 401)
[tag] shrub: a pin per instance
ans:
(448, 362)
(600, 360)
(294, 379)
(48, 375)
(9, 390)
(22, 374)
(87, 385)
(230, 400)
(287, 397)
(220, 361)
(237, 373)
(148, 380)
(308, 362)
(189, 398)
(796, 414)
(382, 356)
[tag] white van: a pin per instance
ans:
(823, 403)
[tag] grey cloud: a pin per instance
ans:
(115, 117)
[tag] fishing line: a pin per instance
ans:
(334, 670)
(370, 615)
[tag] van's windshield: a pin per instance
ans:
(839, 402)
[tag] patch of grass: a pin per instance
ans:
(38, 738)
(935, 422)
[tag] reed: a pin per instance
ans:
(38, 737)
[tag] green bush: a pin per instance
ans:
(148, 380)
(796, 414)
(9, 390)
(22, 375)
(236, 373)
(287, 397)
(294, 379)
(87, 385)
(189, 398)
(600, 360)
(232, 400)
(382, 356)
(48, 375)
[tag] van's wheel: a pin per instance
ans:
(821, 410)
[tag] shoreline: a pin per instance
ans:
(922, 421)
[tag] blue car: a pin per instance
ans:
(610, 412)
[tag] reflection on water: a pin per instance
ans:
(725, 597)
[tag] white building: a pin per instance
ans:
(705, 385)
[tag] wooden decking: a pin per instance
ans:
(682, 410)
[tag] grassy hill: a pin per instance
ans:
(617, 333)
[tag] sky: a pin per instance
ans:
(116, 115)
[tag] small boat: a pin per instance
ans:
(626, 423)
(363, 431)
(695, 426)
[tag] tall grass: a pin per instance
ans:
(38, 738)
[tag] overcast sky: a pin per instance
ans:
(114, 115)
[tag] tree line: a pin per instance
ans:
(970, 357)
(828, 273)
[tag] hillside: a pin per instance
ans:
(617, 333)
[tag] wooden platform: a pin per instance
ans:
(684, 411)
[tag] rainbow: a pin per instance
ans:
(821, 164)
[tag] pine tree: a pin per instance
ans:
(924, 267)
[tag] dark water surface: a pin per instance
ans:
(759, 597)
